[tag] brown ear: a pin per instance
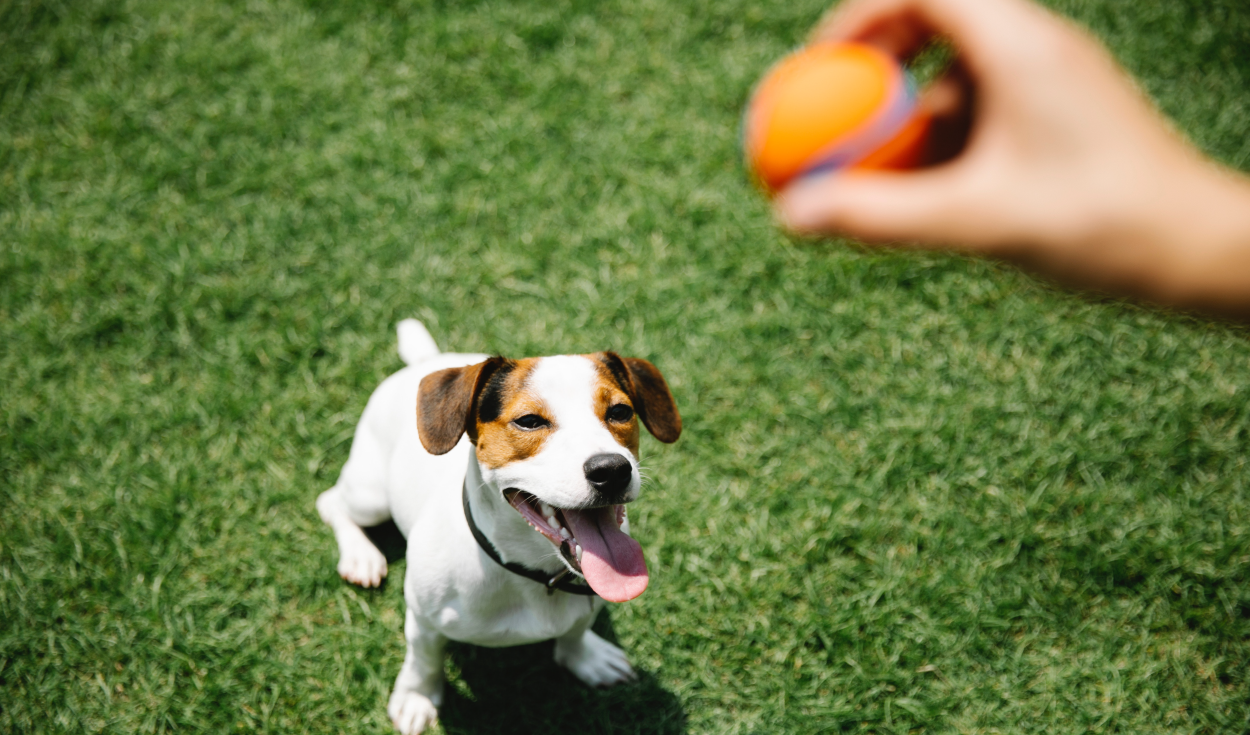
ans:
(652, 399)
(445, 404)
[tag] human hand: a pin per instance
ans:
(1065, 165)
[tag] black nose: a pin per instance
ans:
(609, 474)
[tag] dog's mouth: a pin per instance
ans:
(591, 541)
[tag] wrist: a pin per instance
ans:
(1202, 234)
(1178, 234)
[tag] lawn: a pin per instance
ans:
(914, 493)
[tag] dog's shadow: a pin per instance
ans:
(521, 689)
(390, 542)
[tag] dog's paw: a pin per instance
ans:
(362, 564)
(595, 661)
(411, 712)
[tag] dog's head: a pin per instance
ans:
(558, 436)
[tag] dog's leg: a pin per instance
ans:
(419, 687)
(592, 659)
(360, 562)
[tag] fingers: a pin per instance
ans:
(996, 117)
(982, 30)
(895, 29)
(927, 208)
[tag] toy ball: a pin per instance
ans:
(832, 106)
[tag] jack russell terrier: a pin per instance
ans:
(510, 486)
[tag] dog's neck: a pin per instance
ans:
(510, 534)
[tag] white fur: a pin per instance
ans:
(453, 590)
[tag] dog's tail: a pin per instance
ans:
(415, 342)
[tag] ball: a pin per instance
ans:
(832, 106)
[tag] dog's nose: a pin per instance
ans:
(609, 474)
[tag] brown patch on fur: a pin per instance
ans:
(608, 393)
(499, 442)
(484, 399)
(648, 391)
(445, 400)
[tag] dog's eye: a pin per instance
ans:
(531, 421)
(620, 413)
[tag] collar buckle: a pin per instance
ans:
(551, 583)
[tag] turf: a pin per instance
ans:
(914, 493)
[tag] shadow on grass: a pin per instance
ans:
(521, 689)
(389, 540)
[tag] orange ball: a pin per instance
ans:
(832, 106)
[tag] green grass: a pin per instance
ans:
(914, 493)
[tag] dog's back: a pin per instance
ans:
(385, 436)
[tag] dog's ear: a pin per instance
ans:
(647, 389)
(445, 404)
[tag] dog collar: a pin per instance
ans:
(558, 582)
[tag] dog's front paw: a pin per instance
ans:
(594, 660)
(411, 712)
(362, 564)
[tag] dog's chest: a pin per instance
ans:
(498, 618)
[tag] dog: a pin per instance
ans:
(509, 479)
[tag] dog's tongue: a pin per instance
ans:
(611, 561)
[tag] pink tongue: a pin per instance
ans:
(611, 560)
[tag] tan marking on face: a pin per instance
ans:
(608, 393)
(500, 442)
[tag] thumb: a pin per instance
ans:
(927, 208)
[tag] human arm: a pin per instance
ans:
(1065, 166)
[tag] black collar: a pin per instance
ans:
(560, 581)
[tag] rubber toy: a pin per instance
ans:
(832, 106)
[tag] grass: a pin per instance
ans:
(914, 494)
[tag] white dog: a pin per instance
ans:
(509, 478)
